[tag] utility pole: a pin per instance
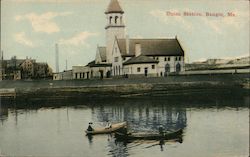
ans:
(57, 59)
(66, 64)
(1, 66)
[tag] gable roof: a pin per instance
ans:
(152, 47)
(102, 51)
(93, 64)
(140, 60)
(114, 7)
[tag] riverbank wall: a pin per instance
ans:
(172, 86)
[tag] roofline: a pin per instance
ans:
(109, 12)
(114, 26)
(128, 55)
(180, 47)
(163, 55)
(101, 65)
(141, 63)
(148, 39)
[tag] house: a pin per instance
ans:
(131, 57)
(28, 68)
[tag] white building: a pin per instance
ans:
(124, 56)
(65, 75)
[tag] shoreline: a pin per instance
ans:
(172, 86)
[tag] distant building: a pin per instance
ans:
(11, 69)
(65, 75)
(16, 69)
(28, 68)
(130, 57)
(42, 70)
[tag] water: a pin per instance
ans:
(212, 128)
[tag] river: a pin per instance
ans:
(212, 128)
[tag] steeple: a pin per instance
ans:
(114, 7)
(115, 27)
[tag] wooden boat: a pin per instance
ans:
(104, 130)
(149, 136)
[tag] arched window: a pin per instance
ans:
(116, 17)
(110, 19)
(178, 67)
(167, 68)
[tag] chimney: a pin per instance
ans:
(137, 50)
(127, 44)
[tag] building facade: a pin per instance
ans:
(16, 69)
(131, 57)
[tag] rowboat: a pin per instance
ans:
(149, 136)
(104, 130)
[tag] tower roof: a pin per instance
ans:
(114, 7)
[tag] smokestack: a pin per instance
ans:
(127, 44)
(57, 59)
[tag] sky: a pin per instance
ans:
(31, 28)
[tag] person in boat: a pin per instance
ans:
(90, 128)
(108, 125)
(161, 130)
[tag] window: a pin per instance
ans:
(175, 58)
(165, 59)
(110, 19)
(138, 69)
(168, 58)
(116, 59)
(153, 66)
(116, 17)
(179, 58)
(178, 67)
(124, 58)
(157, 58)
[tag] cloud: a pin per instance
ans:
(161, 16)
(22, 39)
(213, 24)
(78, 39)
(44, 22)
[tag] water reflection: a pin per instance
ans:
(64, 123)
(116, 148)
(142, 117)
(3, 113)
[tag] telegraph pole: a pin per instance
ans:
(57, 59)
